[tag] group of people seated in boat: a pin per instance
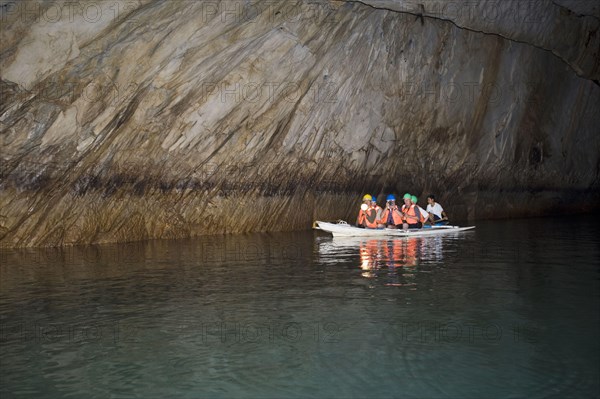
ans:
(408, 216)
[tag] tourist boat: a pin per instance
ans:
(343, 229)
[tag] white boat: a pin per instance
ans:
(343, 229)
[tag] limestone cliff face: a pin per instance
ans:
(161, 119)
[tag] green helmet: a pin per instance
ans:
(407, 195)
(413, 199)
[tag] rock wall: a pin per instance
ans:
(131, 120)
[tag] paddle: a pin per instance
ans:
(430, 224)
(437, 221)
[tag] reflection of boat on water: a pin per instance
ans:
(376, 253)
(384, 253)
(343, 229)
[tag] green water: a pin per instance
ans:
(508, 310)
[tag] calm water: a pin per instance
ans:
(509, 310)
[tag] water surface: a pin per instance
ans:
(508, 310)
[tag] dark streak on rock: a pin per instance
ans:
(139, 188)
(86, 183)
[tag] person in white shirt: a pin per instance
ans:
(436, 212)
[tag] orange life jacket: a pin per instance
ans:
(361, 217)
(368, 218)
(371, 217)
(396, 217)
(376, 211)
(412, 215)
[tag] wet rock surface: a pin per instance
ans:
(164, 119)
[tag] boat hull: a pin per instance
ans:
(346, 230)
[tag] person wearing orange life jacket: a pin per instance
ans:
(378, 211)
(391, 216)
(367, 216)
(362, 216)
(411, 215)
(424, 215)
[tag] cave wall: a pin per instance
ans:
(160, 119)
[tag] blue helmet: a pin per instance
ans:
(391, 197)
(374, 199)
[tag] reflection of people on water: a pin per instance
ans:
(409, 253)
(432, 249)
(394, 259)
(375, 254)
(393, 253)
(370, 253)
